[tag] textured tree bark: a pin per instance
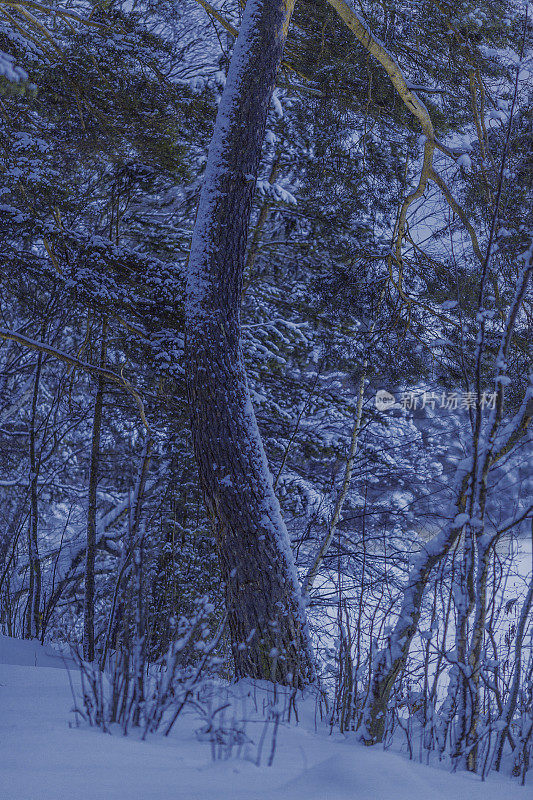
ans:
(266, 616)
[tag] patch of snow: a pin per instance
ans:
(44, 759)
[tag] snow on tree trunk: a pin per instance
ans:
(390, 661)
(266, 615)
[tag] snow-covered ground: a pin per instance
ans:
(42, 758)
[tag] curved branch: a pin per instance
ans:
(91, 369)
(373, 46)
(42, 347)
(454, 205)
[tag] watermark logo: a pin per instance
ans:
(450, 401)
(384, 400)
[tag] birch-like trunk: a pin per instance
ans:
(486, 450)
(265, 612)
(510, 707)
(390, 661)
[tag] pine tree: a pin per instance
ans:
(266, 617)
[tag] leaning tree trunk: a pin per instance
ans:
(266, 616)
(390, 661)
(510, 706)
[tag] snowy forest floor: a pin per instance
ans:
(42, 758)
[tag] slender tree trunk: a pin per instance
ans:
(345, 487)
(33, 619)
(265, 612)
(476, 650)
(137, 536)
(391, 660)
(90, 558)
(461, 685)
(348, 470)
(510, 707)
